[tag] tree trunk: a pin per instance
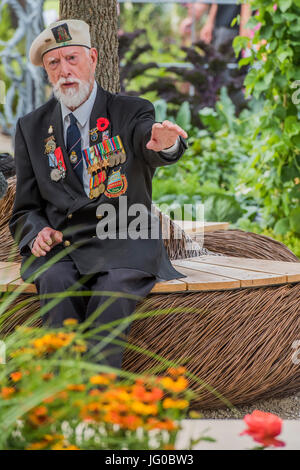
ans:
(101, 15)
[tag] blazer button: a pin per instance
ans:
(67, 243)
(70, 216)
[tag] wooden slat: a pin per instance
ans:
(247, 278)
(10, 278)
(8, 273)
(190, 226)
(175, 285)
(289, 269)
(197, 280)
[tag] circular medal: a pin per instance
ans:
(111, 160)
(55, 175)
(117, 158)
(123, 157)
(101, 188)
(73, 157)
(94, 136)
(50, 146)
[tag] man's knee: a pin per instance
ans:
(57, 277)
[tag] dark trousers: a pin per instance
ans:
(64, 274)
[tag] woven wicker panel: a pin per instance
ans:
(238, 341)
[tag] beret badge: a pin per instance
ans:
(61, 33)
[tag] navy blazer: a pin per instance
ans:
(64, 206)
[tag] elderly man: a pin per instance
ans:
(83, 154)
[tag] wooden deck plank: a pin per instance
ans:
(175, 285)
(247, 278)
(197, 280)
(191, 226)
(289, 269)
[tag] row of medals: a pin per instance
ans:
(115, 158)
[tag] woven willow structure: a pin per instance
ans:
(236, 342)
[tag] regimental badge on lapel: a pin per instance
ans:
(50, 146)
(116, 184)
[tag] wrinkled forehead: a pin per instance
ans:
(63, 52)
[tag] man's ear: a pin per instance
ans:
(94, 54)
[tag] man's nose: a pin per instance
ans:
(65, 69)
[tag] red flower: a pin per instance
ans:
(263, 428)
(102, 124)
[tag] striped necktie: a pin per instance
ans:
(74, 147)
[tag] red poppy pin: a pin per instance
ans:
(102, 124)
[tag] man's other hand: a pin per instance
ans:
(164, 135)
(45, 240)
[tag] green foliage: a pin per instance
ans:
(275, 159)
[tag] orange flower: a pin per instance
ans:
(39, 416)
(178, 404)
(177, 385)
(6, 392)
(37, 445)
(163, 424)
(76, 387)
(140, 392)
(52, 341)
(92, 412)
(16, 376)
(176, 370)
(48, 376)
(168, 447)
(264, 427)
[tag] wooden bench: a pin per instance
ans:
(203, 274)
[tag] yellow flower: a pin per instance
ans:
(177, 385)
(52, 341)
(100, 379)
(170, 403)
(63, 446)
(70, 321)
(143, 409)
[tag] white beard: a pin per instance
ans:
(71, 97)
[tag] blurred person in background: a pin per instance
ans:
(196, 12)
(218, 30)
